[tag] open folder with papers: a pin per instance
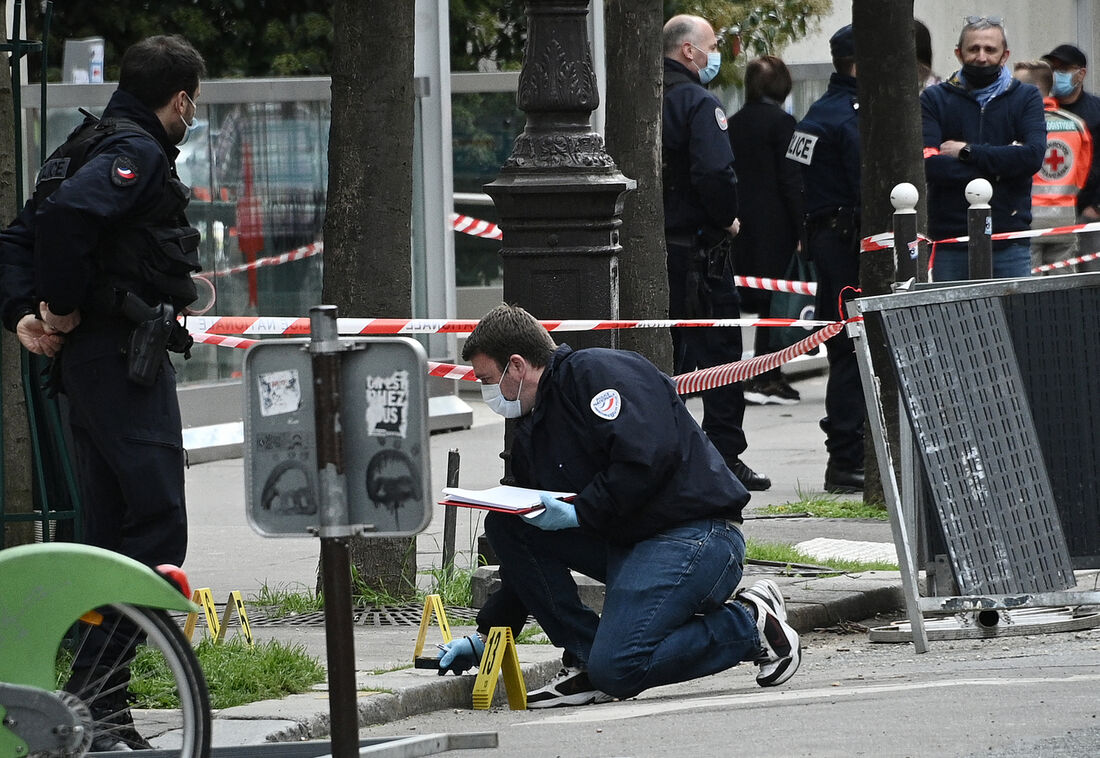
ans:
(503, 498)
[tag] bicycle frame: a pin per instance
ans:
(44, 590)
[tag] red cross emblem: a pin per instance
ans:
(1058, 161)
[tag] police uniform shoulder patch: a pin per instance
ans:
(123, 171)
(720, 117)
(802, 147)
(55, 168)
(606, 404)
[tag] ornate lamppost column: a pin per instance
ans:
(559, 195)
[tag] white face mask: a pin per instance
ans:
(499, 404)
(188, 128)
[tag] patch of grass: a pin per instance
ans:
(533, 635)
(829, 506)
(287, 600)
(452, 585)
(235, 673)
(781, 552)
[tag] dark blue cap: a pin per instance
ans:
(843, 43)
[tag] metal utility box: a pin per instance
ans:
(383, 420)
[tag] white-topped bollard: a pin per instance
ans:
(907, 265)
(979, 229)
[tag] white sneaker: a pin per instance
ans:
(570, 687)
(782, 649)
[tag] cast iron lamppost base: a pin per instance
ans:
(559, 195)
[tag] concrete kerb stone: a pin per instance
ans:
(383, 698)
(392, 695)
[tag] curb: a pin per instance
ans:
(812, 603)
(295, 718)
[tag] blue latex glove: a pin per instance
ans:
(556, 514)
(460, 655)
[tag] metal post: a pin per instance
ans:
(559, 195)
(979, 227)
(324, 347)
(904, 199)
(449, 515)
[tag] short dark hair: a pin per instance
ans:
(767, 76)
(509, 330)
(156, 68)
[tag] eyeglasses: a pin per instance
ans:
(994, 20)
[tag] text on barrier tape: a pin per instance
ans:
(278, 325)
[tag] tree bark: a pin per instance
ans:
(633, 137)
(17, 473)
(368, 221)
(890, 148)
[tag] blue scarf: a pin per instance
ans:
(985, 94)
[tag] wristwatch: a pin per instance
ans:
(964, 153)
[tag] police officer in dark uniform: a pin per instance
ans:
(826, 143)
(112, 256)
(700, 200)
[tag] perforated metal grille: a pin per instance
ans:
(1057, 338)
(962, 391)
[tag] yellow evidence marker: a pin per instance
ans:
(433, 604)
(500, 654)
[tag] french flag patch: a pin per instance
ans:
(123, 172)
(607, 404)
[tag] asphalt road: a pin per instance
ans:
(1009, 696)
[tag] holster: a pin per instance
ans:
(707, 263)
(155, 330)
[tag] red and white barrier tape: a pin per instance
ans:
(776, 285)
(479, 228)
(270, 325)
(306, 251)
(1066, 263)
(686, 384)
(476, 227)
(717, 376)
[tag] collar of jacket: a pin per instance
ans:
(124, 105)
(671, 65)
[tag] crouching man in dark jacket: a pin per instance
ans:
(656, 518)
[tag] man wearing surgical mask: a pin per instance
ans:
(1070, 68)
(656, 518)
(981, 123)
(700, 203)
(102, 250)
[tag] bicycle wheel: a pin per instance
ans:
(94, 672)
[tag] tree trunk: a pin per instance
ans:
(633, 139)
(890, 148)
(368, 220)
(17, 474)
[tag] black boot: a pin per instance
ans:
(843, 481)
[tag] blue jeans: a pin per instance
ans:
(665, 617)
(1009, 262)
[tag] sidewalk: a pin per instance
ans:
(225, 555)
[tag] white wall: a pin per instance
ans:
(1034, 28)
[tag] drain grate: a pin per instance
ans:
(395, 615)
(399, 615)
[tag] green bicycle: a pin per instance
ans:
(72, 619)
